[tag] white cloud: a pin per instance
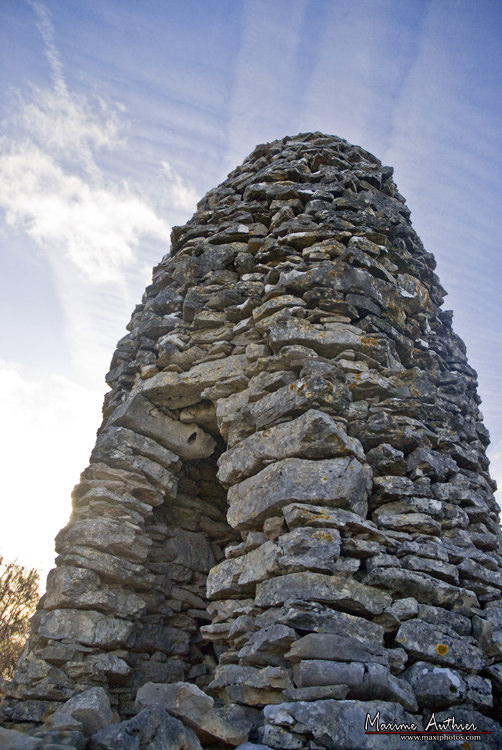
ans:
(64, 183)
(47, 427)
(44, 25)
(65, 123)
(183, 196)
(96, 227)
(54, 187)
(70, 126)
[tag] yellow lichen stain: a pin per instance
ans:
(442, 649)
(368, 340)
(324, 535)
(322, 514)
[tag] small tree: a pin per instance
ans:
(18, 599)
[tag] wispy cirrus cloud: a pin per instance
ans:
(72, 127)
(95, 226)
(64, 184)
(54, 184)
(69, 125)
(44, 25)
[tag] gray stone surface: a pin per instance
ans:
(74, 587)
(173, 390)
(313, 435)
(152, 728)
(196, 710)
(423, 587)
(10, 739)
(337, 588)
(341, 724)
(305, 514)
(439, 687)
(268, 646)
(335, 482)
(309, 549)
(90, 708)
(425, 641)
(142, 417)
(243, 573)
(249, 685)
(466, 716)
(336, 648)
(120, 539)
(85, 626)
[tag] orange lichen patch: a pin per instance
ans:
(442, 649)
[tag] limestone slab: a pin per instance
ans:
(423, 587)
(312, 435)
(337, 648)
(344, 593)
(338, 724)
(337, 482)
(428, 643)
(88, 627)
(152, 728)
(196, 709)
(173, 390)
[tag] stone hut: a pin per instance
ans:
(287, 524)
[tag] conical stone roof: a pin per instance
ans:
(287, 523)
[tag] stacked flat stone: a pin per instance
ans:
(288, 506)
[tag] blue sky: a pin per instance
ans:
(116, 117)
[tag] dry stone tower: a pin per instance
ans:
(287, 522)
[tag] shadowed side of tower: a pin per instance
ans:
(287, 519)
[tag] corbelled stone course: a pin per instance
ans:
(287, 523)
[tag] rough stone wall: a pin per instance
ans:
(288, 505)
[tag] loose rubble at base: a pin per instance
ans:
(287, 522)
